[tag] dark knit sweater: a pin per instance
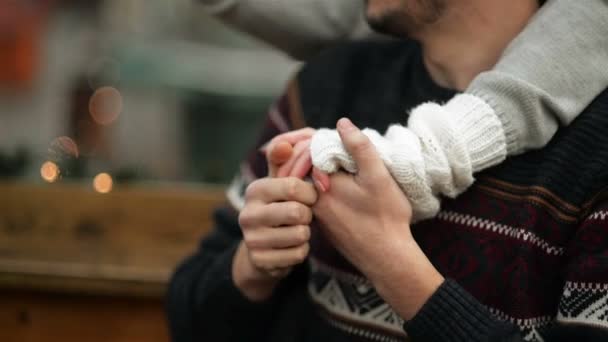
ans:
(525, 249)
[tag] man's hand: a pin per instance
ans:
(275, 223)
(367, 218)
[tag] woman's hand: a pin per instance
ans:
(276, 227)
(367, 218)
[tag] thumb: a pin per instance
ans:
(360, 147)
(276, 155)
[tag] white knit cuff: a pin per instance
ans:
(480, 129)
(399, 149)
(436, 154)
(329, 155)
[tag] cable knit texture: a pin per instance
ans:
(435, 155)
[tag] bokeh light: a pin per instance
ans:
(103, 183)
(63, 148)
(49, 171)
(105, 105)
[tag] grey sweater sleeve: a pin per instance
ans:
(549, 73)
(299, 27)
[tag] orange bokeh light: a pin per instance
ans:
(63, 146)
(105, 105)
(103, 183)
(49, 171)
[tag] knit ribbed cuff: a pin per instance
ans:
(477, 88)
(452, 314)
(480, 128)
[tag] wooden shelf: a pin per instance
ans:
(68, 238)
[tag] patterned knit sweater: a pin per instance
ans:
(525, 247)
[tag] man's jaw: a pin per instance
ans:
(403, 18)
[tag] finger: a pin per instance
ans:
(282, 237)
(300, 164)
(277, 155)
(269, 190)
(294, 137)
(360, 147)
(275, 214)
(271, 259)
(321, 180)
(303, 165)
(298, 149)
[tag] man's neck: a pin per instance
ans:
(465, 43)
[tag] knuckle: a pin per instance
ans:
(307, 193)
(302, 234)
(307, 215)
(295, 212)
(252, 190)
(291, 187)
(246, 217)
(252, 241)
(256, 258)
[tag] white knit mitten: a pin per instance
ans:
(435, 155)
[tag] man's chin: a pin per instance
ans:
(388, 17)
(388, 24)
(403, 18)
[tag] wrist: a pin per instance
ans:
(254, 284)
(409, 279)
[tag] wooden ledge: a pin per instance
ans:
(68, 238)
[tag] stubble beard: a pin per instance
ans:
(407, 19)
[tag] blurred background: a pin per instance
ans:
(120, 123)
(140, 89)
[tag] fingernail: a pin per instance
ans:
(319, 185)
(346, 124)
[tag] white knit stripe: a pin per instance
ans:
(533, 322)
(571, 285)
(594, 297)
(598, 215)
(276, 118)
(503, 229)
(333, 299)
(358, 331)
